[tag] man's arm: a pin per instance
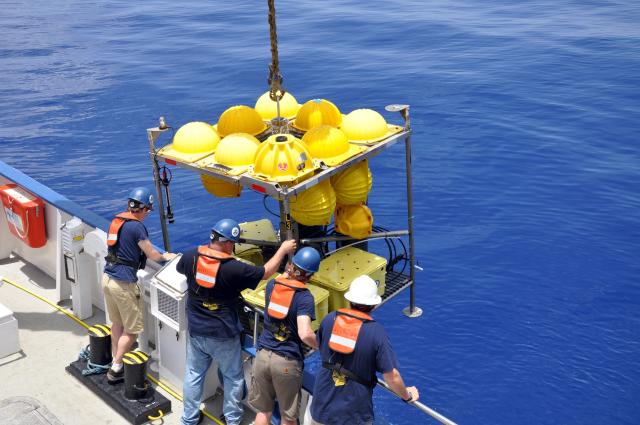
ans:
(305, 332)
(152, 253)
(271, 266)
(394, 379)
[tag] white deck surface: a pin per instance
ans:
(50, 341)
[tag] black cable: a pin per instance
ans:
(405, 256)
(264, 203)
(389, 248)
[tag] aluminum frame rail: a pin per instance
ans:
(277, 190)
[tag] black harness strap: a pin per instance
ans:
(112, 256)
(337, 367)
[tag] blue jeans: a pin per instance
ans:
(201, 351)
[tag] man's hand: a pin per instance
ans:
(288, 246)
(271, 266)
(414, 395)
(168, 256)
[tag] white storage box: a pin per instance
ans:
(168, 296)
(168, 306)
(9, 342)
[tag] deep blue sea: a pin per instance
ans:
(526, 120)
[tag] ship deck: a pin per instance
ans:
(50, 341)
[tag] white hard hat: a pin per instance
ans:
(363, 291)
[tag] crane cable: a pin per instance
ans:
(276, 92)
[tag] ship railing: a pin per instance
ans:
(420, 406)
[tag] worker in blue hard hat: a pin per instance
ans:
(353, 347)
(215, 279)
(128, 248)
(277, 368)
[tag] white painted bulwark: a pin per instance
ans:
(44, 257)
(95, 246)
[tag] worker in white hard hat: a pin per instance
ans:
(353, 347)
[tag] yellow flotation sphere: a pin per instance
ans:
(282, 158)
(195, 137)
(354, 220)
(220, 188)
(268, 108)
(237, 150)
(326, 142)
(364, 124)
(352, 185)
(240, 119)
(314, 206)
(317, 112)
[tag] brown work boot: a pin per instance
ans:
(114, 377)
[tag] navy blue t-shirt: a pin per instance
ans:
(232, 278)
(302, 304)
(350, 404)
(127, 248)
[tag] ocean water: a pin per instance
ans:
(525, 150)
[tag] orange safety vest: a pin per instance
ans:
(209, 261)
(346, 329)
(112, 242)
(282, 295)
(116, 225)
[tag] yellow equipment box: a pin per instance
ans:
(255, 297)
(258, 230)
(339, 269)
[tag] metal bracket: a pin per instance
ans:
(417, 312)
(404, 113)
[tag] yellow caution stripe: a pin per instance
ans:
(100, 330)
(135, 357)
(105, 328)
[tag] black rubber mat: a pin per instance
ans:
(135, 411)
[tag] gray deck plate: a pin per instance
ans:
(25, 411)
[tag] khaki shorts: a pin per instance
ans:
(124, 304)
(276, 377)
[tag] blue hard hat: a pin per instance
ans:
(227, 228)
(307, 259)
(140, 196)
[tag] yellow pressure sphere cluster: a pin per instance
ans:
(268, 109)
(195, 138)
(240, 119)
(354, 220)
(352, 185)
(330, 145)
(236, 152)
(364, 125)
(314, 206)
(233, 148)
(317, 112)
(220, 188)
(282, 158)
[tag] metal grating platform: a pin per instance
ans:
(395, 284)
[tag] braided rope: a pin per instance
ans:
(276, 92)
(91, 368)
